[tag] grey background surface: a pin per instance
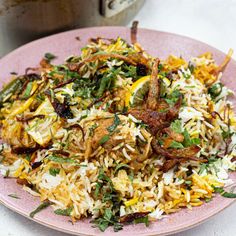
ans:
(210, 21)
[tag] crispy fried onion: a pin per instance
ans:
(154, 88)
(133, 31)
(175, 156)
(223, 65)
(173, 135)
(157, 120)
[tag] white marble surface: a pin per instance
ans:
(211, 21)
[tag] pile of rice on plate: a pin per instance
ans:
(118, 135)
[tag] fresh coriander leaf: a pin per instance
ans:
(49, 56)
(54, 171)
(188, 182)
(208, 200)
(188, 141)
(92, 129)
(117, 226)
(28, 157)
(223, 192)
(13, 195)
(177, 145)
(107, 82)
(142, 220)
(203, 167)
(176, 126)
(104, 139)
(218, 189)
(108, 214)
(172, 98)
(121, 166)
(116, 122)
(226, 134)
(97, 189)
(64, 212)
(229, 195)
(195, 141)
(60, 159)
(41, 207)
(191, 67)
(212, 159)
(131, 176)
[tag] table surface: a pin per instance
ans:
(210, 21)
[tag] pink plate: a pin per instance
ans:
(157, 43)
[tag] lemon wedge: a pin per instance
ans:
(137, 92)
(139, 89)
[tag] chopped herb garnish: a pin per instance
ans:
(107, 82)
(191, 67)
(108, 219)
(203, 167)
(28, 157)
(224, 193)
(188, 141)
(54, 171)
(131, 176)
(49, 56)
(177, 145)
(110, 196)
(226, 134)
(195, 141)
(142, 220)
(64, 212)
(229, 195)
(212, 159)
(208, 200)
(62, 160)
(188, 182)
(92, 128)
(176, 126)
(172, 98)
(13, 195)
(121, 166)
(41, 207)
(116, 122)
(104, 139)
(59, 159)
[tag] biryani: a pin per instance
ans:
(118, 135)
